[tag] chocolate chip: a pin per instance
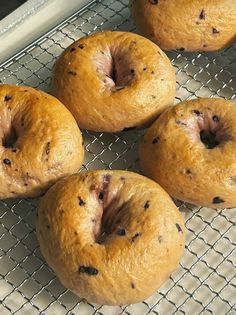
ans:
(181, 49)
(81, 202)
(152, 72)
(129, 128)
(147, 204)
(178, 227)
(72, 73)
(76, 233)
(48, 227)
(47, 150)
(132, 71)
(204, 45)
(132, 285)
(215, 30)
(179, 122)
(7, 98)
(81, 46)
(217, 200)
(197, 112)
(7, 162)
(153, 1)
(160, 238)
(13, 150)
(22, 121)
(202, 15)
(101, 195)
(153, 96)
(155, 140)
(121, 232)
(216, 118)
(25, 90)
(188, 171)
(90, 271)
(136, 236)
(72, 49)
(25, 184)
(144, 69)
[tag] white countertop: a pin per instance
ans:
(37, 24)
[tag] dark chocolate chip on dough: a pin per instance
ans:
(90, 271)
(178, 227)
(217, 200)
(7, 162)
(81, 202)
(153, 1)
(202, 15)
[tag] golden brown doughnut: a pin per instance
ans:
(112, 81)
(190, 25)
(41, 142)
(112, 237)
(190, 151)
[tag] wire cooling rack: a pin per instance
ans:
(205, 281)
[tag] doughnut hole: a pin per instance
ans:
(110, 211)
(211, 131)
(110, 220)
(114, 66)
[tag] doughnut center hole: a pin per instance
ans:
(209, 139)
(114, 67)
(10, 139)
(109, 220)
(211, 130)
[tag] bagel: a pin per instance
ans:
(190, 151)
(205, 25)
(113, 81)
(41, 142)
(112, 237)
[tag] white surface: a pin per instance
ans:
(37, 24)
(18, 16)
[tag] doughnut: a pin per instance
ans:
(187, 25)
(114, 81)
(112, 237)
(40, 142)
(190, 151)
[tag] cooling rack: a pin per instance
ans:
(205, 281)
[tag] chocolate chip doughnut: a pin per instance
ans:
(40, 142)
(205, 25)
(112, 237)
(190, 151)
(114, 81)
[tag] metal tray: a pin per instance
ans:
(205, 281)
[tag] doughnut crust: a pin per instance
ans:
(190, 25)
(190, 152)
(113, 81)
(41, 142)
(112, 237)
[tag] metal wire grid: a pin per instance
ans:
(205, 282)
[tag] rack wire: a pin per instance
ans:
(205, 281)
